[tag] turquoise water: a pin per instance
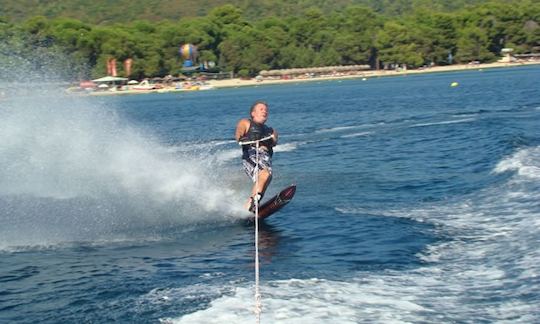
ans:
(416, 202)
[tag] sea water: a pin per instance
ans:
(417, 202)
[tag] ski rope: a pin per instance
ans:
(258, 303)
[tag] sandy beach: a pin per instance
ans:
(366, 74)
(237, 82)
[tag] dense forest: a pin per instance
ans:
(122, 11)
(246, 41)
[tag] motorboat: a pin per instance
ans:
(144, 85)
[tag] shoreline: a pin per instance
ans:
(236, 82)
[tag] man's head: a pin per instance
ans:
(259, 112)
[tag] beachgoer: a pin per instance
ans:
(253, 129)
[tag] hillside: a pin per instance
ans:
(277, 35)
(121, 11)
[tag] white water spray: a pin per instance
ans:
(71, 169)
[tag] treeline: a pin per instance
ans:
(354, 35)
(104, 12)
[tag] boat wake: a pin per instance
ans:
(486, 270)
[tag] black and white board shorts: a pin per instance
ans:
(265, 162)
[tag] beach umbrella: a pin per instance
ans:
(133, 82)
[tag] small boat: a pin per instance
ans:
(206, 86)
(144, 85)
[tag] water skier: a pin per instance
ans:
(254, 129)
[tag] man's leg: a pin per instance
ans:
(265, 177)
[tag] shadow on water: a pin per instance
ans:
(270, 237)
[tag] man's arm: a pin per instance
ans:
(241, 129)
(275, 139)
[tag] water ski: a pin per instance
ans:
(277, 202)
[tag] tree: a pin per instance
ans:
(438, 33)
(472, 45)
(246, 50)
(355, 41)
(399, 44)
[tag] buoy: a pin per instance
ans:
(364, 79)
(454, 84)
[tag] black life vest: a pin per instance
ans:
(255, 132)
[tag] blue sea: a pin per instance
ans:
(416, 202)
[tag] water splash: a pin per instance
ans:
(71, 169)
(523, 161)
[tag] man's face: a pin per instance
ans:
(260, 113)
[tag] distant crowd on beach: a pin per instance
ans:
(196, 83)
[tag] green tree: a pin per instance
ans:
(246, 50)
(355, 41)
(472, 45)
(399, 44)
(275, 37)
(438, 34)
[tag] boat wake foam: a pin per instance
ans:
(486, 271)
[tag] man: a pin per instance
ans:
(254, 129)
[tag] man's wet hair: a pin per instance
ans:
(255, 104)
